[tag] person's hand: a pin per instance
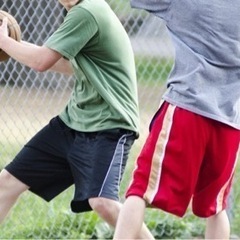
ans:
(3, 29)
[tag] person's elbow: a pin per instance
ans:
(41, 66)
(45, 60)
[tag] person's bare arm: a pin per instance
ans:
(39, 58)
(62, 65)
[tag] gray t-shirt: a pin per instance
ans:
(206, 75)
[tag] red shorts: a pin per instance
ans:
(186, 156)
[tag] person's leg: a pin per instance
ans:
(10, 189)
(215, 179)
(40, 166)
(130, 220)
(109, 210)
(97, 169)
(156, 178)
(218, 227)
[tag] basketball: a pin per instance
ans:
(14, 31)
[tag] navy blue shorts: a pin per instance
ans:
(58, 156)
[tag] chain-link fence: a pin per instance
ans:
(29, 99)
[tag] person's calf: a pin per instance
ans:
(107, 209)
(218, 226)
(10, 190)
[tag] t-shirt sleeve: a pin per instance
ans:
(157, 7)
(78, 27)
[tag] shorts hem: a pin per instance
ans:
(79, 206)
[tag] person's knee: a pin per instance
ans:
(5, 179)
(104, 207)
(10, 184)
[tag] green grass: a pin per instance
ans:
(33, 218)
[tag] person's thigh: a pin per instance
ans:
(169, 163)
(216, 175)
(98, 165)
(9, 185)
(42, 163)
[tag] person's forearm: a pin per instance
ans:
(19, 51)
(39, 58)
(61, 66)
(28, 55)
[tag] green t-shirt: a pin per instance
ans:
(99, 49)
